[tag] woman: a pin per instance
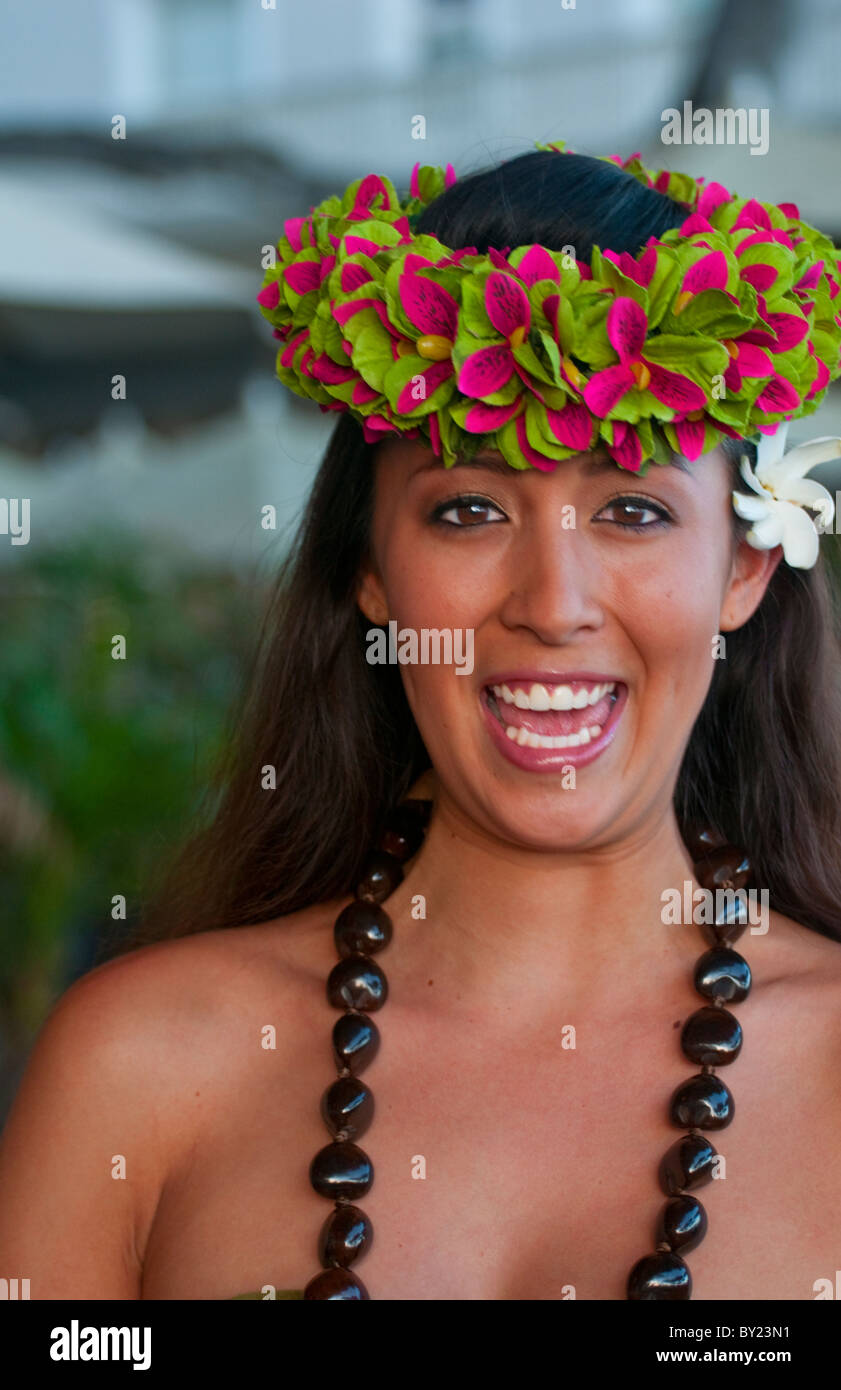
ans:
(159, 1144)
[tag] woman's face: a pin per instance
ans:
(597, 601)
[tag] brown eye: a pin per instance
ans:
(466, 511)
(634, 513)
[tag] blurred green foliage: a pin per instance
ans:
(102, 761)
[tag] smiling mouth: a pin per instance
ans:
(571, 715)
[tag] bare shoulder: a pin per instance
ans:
(130, 1062)
(169, 995)
(791, 952)
(798, 971)
(154, 1016)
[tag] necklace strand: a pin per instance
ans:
(711, 1037)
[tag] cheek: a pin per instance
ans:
(430, 586)
(670, 609)
(432, 583)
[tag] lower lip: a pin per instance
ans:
(553, 759)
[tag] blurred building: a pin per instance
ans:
(139, 257)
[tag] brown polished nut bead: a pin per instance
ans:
(702, 842)
(357, 983)
(345, 1236)
(336, 1283)
(362, 928)
(658, 1277)
(723, 974)
(726, 867)
(731, 923)
(381, 874)
(688, 1162)
(341, 1169)
(682, 1223)
(356, 1042)
(702, 1102)
(404, 832)
(347, 1107)
(711, 1037)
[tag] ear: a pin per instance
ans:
(370, 595)
(749, 578)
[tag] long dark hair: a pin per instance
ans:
(762, 765)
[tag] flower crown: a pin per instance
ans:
(725, 326)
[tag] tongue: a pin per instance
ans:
(553, 722)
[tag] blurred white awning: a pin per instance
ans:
(56, 254)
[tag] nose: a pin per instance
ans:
(556, 584)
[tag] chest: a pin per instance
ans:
(525, 1171)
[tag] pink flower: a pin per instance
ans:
(509, 311)
(414, 185)
(627, 325)
(691, 431)
(640, 270)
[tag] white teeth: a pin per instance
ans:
(543, 697)
(552, 697)
(539, 697)
(526, 739)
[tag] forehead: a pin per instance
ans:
(420, 459)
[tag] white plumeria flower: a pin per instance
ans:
(780, 493)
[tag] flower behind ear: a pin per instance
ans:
(782, 493)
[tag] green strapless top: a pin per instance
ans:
(281, 1293)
